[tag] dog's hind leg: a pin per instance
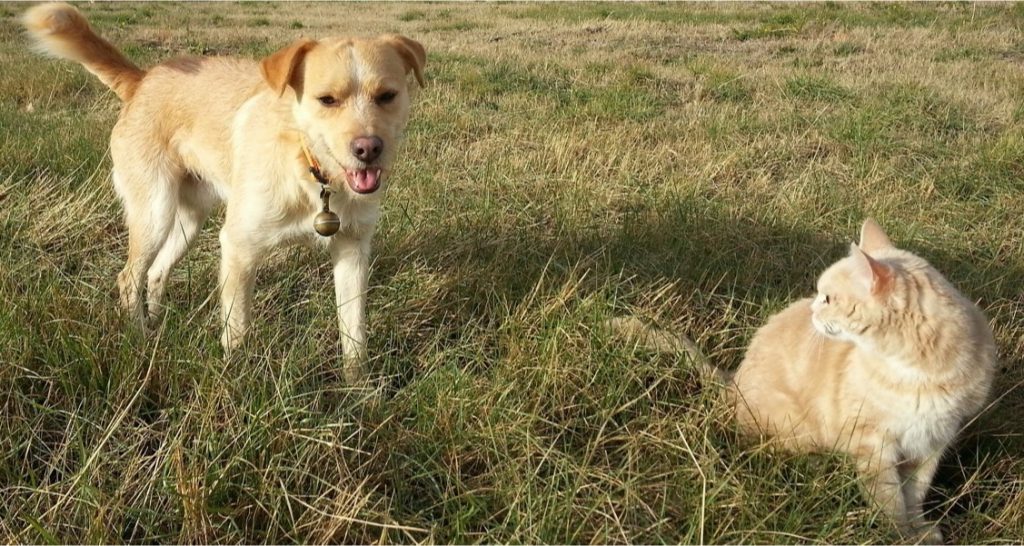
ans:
(195, 200)
(150, 204)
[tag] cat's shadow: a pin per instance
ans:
(980, 454)
(995, 436)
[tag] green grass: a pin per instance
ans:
(816, 88)
(722, 84)
(696, 164)
(843, 49)
(411, 15)
(776, 26)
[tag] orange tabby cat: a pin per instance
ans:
(886, 363)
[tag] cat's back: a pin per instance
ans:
(787, 337)
(946, 332)
(786, 365)
(960, 356)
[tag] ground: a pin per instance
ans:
(697, 165)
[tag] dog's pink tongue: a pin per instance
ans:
(365, 180)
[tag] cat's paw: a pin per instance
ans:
(930, 534)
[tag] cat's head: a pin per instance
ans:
(856, 294)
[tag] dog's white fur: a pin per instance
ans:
(195, 132)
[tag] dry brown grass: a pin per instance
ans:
(696, 164)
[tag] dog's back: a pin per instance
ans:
(187, 107)
(182, 109)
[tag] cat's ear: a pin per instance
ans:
(873, 274)
(872, 238)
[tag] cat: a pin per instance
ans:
(886, 364)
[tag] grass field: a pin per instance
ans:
(697, 165)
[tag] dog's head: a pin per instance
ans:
(351, 101)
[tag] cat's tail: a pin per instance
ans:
(660, 341)
(62, 31)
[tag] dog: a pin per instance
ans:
(313, 126)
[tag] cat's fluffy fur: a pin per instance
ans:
(887, 363)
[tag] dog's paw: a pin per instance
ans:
(355, 374)
(154, 318)
(231, 339)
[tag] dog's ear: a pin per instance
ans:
(279, 68)
(412, 53)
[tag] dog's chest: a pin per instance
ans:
(358, 220)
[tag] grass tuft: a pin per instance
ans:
(776, 26)
(845, 49)
(816, 88)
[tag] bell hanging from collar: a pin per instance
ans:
(326, 222)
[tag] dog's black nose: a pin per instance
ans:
(367, 148)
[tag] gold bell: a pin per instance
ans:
(327, 223)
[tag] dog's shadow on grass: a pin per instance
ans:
(489, 267)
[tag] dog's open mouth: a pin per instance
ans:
(363, 180)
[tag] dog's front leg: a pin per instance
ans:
(351, 258)
(237, 278)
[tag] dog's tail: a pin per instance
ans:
(660, 341)
(62, 31)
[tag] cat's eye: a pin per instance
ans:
(827, 299)
(327, 100)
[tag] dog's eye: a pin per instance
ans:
(827, 299)
(386, 97)
(327, 100)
